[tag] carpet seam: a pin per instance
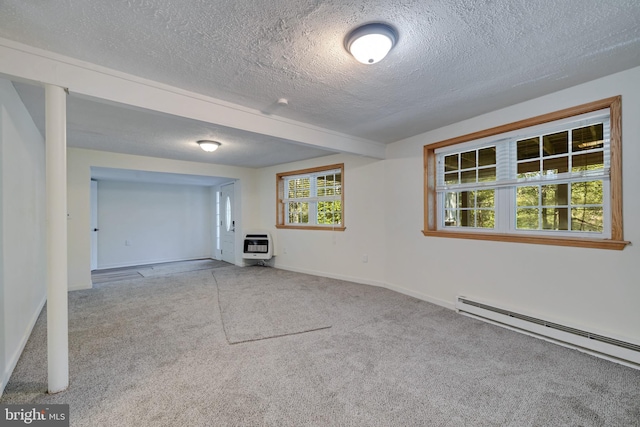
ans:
(278, 336)
(226, 336)
(255, 339)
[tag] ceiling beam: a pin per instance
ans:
(22, 62)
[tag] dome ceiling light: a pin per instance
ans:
(208, 146)
(371, 42)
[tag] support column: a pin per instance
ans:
(56, 194)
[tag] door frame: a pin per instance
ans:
(228, 257)
(93, 222)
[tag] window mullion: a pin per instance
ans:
(606, 207)
(504, 201)
(440, 212)
(313, 205)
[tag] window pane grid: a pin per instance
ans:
(470, 166)
(555, 181)
(574, 150)
(313, 199)
(558, 206)
(329, 185)
(473, 209)
(329, 213)
(298, 213)
(299, 187)
(575, 207)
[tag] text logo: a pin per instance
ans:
(34, 415)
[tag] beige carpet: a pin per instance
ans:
(153, 352)
(181, 267)
(258, 303)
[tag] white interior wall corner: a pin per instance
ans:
(22, 227)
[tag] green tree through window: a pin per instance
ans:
(311, 198)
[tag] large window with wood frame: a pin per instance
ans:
(311, 198)
(553, 179)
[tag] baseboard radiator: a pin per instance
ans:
(617, 350)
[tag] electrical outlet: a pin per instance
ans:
(127, 242)
(365, 258)
(284, 251)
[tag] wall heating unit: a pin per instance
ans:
(257, 245)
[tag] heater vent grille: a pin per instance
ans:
(619, 343)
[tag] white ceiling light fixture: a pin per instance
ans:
(371, 42)
(208, 146)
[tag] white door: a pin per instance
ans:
(94, 225)
(228, 224)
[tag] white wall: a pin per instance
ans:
(335, 254)
(144, 223)
(593, 289)
(22, 227)
(79, 163)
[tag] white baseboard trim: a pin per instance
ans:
(421, 296)
(333, 276)
(392, 287)
(147, 262)
(80, 287)
(13, 360)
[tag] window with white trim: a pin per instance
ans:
(311, 198)
(551, 179)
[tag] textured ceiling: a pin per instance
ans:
(454, 58)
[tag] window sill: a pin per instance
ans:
(310, 227)
(538, 240)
